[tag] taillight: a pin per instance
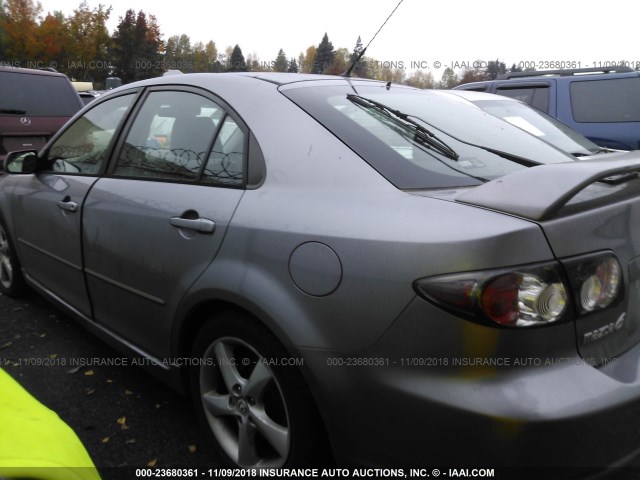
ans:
(532, 295)
(596, 281)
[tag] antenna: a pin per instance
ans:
(353, 64)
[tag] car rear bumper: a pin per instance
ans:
(557, 415)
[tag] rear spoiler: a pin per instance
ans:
(538, 193)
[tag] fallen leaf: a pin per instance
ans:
(88, 373)
(158, 405)
(89, 391)
(192, 448)
(42, 335)
(6, 345)
(128, 392)
(105, 440)
(109, 380)
(130, 441)
(122, 421)
(152, 463)
(74, 370)
(53, 355)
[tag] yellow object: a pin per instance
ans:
(34, 442)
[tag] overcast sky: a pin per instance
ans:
(421, 33)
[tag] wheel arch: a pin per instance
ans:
(207, 310)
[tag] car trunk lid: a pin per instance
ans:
(583, 207)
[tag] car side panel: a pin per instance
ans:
(47, 233)
(137, 262)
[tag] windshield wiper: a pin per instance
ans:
(13, 111)
(420, 134)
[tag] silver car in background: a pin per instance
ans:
(343, 270)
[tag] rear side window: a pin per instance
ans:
(37, 95)
(612, 100)
(537, 97)
(184, 137)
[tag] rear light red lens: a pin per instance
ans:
(499, 299)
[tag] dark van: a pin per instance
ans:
(34, 104)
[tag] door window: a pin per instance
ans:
(170, 138)
(82, 148)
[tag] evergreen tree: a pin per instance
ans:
(236, 61)
(515, 68)
(280, 64)
(360, 68)
(293, 66)
(495, 68)
(324, 56)
(136, 48)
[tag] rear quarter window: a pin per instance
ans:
(606, 101)
(537, 97)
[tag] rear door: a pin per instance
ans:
(156, 223)
(49, 204)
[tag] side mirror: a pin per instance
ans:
(25, 161)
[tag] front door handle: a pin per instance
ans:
(203, 225)
(68, 205)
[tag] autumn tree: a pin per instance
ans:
(178, 53)
(137, 46)
(324, 56)
(52, 38)
(420, 79)
(280, 64)
(306, 60)
(473, 75)
(449, 79)
(88, 43)
(18, 24)
(340, 63)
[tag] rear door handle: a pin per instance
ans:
(68, 205)
(203, 225)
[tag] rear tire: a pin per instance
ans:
(259, 413)
(11, 280)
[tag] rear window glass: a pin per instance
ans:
(612, 100)
(37, 95)
(482, 142)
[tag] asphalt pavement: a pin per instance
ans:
(124, 416)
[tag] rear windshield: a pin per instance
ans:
(609, 100)
(408, 164)
(541, 125)
(37, 95)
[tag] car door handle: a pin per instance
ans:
(203, 225)
(68, 205)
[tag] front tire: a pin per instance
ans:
(258, 411)
(11, 280)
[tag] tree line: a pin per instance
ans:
(81, 46)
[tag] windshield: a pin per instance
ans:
(486, 147)
(541, 125)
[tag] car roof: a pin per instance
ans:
(31, 71)
(205, 79)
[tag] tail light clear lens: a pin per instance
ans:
(597, 282)
(533, 295)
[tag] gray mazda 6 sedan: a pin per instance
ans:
(344, 271)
